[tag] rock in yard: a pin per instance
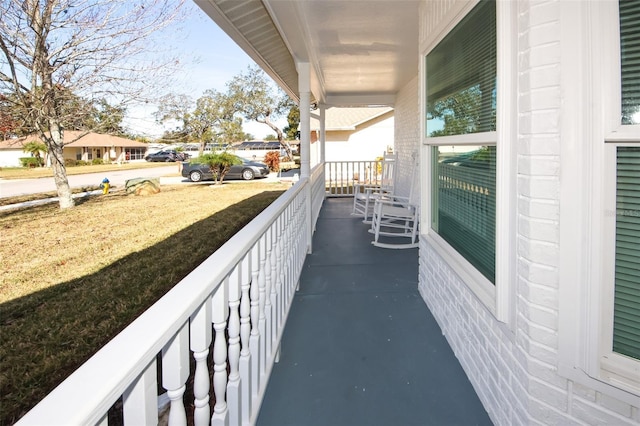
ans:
(142, 186)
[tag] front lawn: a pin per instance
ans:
(72, 279)
(38, 172)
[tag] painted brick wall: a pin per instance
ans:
(407, 140)
(513, 369)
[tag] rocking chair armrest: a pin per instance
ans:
(376, 191)
(363, 187)
(396, 201)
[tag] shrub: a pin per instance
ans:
(70, 162)
(31, 162)
(219, 164)
(272, 159)
(97, 161)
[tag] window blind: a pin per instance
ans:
(626, 322)
(630, 58)
(461, 76)
(465, 204)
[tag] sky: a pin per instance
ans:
(209, 60)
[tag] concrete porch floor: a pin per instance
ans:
(360, 346)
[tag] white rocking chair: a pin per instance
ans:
(395, 219)
(365, 195)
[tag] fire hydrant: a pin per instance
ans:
(105, 186)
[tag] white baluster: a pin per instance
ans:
(262, 323)
(175, 371)
(273, 295)
(219, 315)
(254, 338)
(140, 400)
(233, 388)
(201, 335)
(245, 333)
(287, 257)
(268, 334)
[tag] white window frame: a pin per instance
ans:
(498, 298)
(591, 55)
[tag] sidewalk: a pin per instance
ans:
(288, 176)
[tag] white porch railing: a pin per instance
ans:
(342, 175)
(234, 304)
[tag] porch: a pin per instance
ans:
(360, 346)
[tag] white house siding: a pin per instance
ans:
(369, 141)
(11, 157)
(513, 367)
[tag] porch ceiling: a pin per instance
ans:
(361, 52)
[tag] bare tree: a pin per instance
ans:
(93, 49)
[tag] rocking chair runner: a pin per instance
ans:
(365, 195)
(396, 217)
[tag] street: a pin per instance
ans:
(117, 178)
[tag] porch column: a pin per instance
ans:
(322, 137)
(304, 87)
(322, 140)
(305, 116)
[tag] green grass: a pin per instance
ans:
(72, 279)
(38, 172)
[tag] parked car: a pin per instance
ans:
(167, 155)
(247, 170)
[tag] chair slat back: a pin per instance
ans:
(388, 176)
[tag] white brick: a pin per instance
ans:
(541, 335)
(539, 187)
(544, 99)
(537, 314)
(544, 55)
(540, 122)
(548, 394)
(541, 252)
(541, 34)
(540, 77)
(542, 12)
(539, 145)
(539, 166)
(548, 415)
(583, 392)
(547, 373)
(593, 414)
(539, 209)
(539, 230)
(538, 274)
(546, 297)
(542, 353)
(614, 405)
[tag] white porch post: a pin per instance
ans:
(304, 87)
(322, 137)
(305, 124)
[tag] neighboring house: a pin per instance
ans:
(85, 148)
(353, 134)
(255, 150)
(11, 150)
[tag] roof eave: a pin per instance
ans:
(213, 9)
